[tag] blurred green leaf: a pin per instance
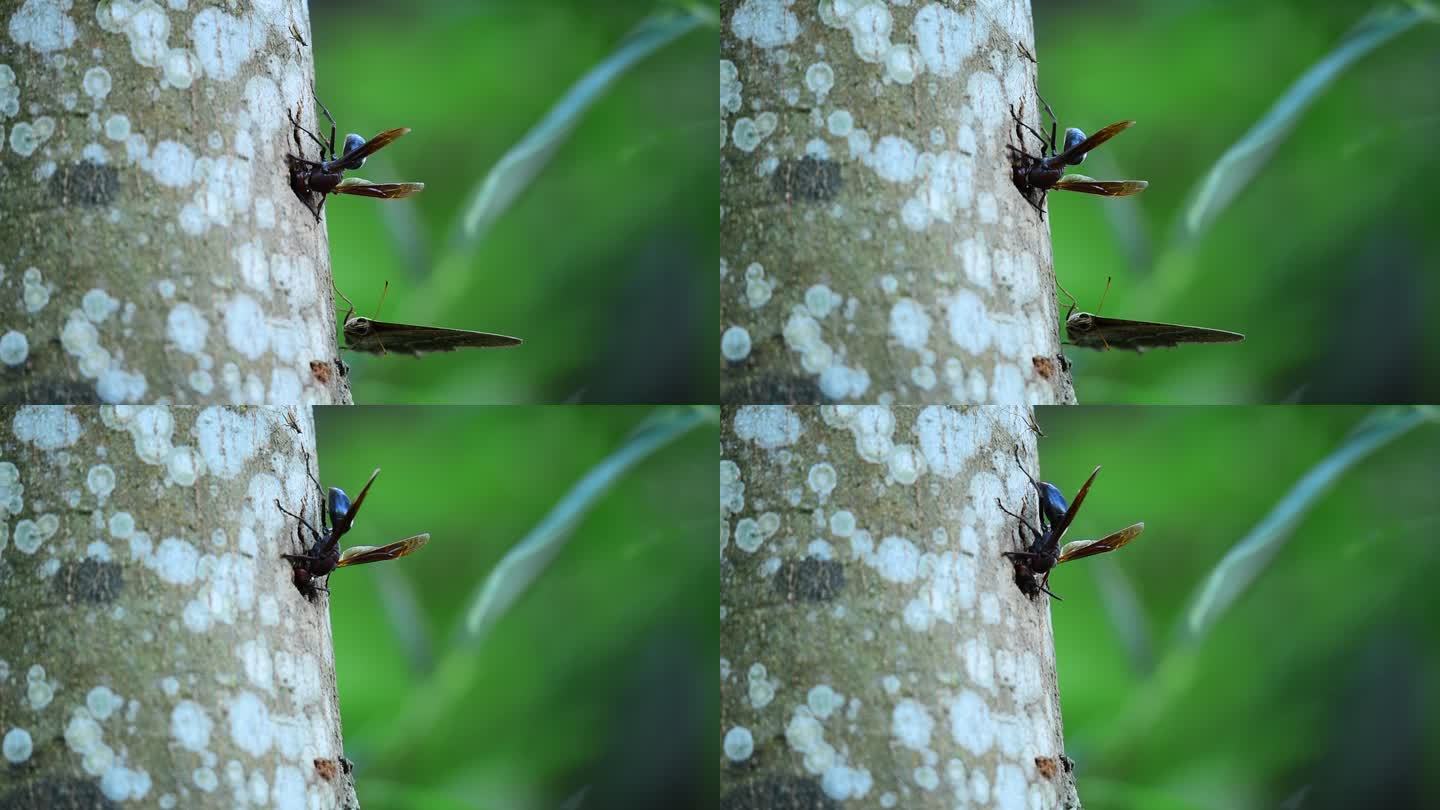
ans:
(1234, 170)
(1248, 558)
(523, 564)
(513, 173)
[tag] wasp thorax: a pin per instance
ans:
(354, 141)
(1073, 136)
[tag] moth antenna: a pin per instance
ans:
(348, 302)
(383, 290)
(1103, 296)
(1074, 302)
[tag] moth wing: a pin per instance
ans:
(383, 337)
(360, 187)
(1110, 542)
(359, 555)
(1095, 332)
(1104, 188)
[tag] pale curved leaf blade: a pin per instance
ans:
(1248, 559)
(523, 564)
(1242, 161)
(513, 173)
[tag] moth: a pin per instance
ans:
(1034, 175)
(383, 337)
(1044, 551)
(337, 516)
(1092, 331)
(313, 180)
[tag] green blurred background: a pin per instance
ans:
(1316, 689)
(605, 265)
(1326, 261)
(602, 673)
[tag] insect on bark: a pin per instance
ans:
(1034, 175)
(337, 516)
(1044, 552)
(1090, 331)
(383, 337)
(313, 180)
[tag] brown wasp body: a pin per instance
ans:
(1034, 175)
(1044, 552)
(313, 180)
(337, 515)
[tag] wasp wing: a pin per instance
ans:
(1104, 188)
(351, 159)
(1096, 332)
(1072, 154)
(343, 524)
(1057, 528)
(1110, 542)
(361, 187)
(359, 555)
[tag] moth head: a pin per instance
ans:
(358, 326)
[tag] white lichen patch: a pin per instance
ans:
(17, 745)
(734, 344)
(739, 744)
(769, 426)
(190, 726)
(765, 23)
(44, 25)
(100, 480)
(48, 427)
(14, 348)
(96, 84)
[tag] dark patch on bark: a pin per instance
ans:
(90, 581)
(785, 793)
(18, 387)
(57, 794)
(85, 183)
(772, 389)
(808, 179)
(810, 580)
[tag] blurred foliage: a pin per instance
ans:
(1325, 260)
(1315, 687)
(600, 677)
(604, 265)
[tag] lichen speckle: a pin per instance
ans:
(17, 745)
(96, 83)
(14, 348)
(734, 344)
(186, 328)
(739, 744)
(101, 481)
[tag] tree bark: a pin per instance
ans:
(150, 246)
(153, 644)
(874, 244)
(874, 647)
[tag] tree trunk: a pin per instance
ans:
(874, 244)
(873, 643)
(154, 646)
(150, 245)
